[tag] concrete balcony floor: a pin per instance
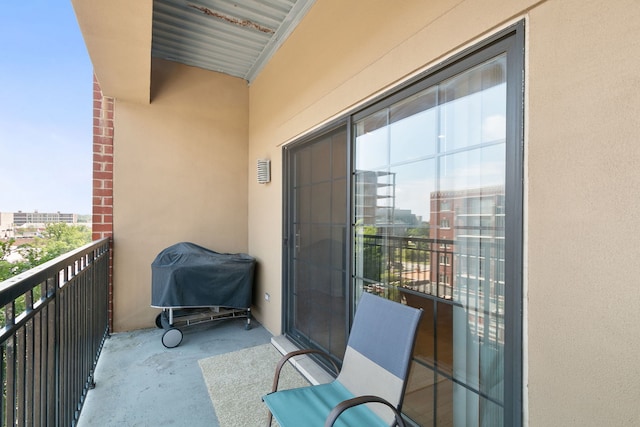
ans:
(139, 382)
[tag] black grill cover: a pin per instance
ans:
(188, 275)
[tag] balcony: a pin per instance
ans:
(56, 320)
(56, 327)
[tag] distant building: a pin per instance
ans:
(6, 224)
(22, 218)
(25, 224)
(473, 219)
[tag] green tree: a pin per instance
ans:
(5, 266)
(5, 248)
(422, 231)
(9, 269)
(57, 239)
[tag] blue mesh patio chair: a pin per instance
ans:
(369, 389)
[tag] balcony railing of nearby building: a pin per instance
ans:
(467, 273)
(54, 323)
(421, 264)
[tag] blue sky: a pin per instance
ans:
(45, 109)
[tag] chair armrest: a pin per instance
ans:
(291, 354)
(350, 403)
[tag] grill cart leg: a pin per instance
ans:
(248, 325)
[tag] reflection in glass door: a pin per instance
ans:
(316, 243)
(429, 214)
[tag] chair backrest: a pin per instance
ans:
(378, 354)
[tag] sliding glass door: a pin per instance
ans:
(430, 191)
(317, 242)
(427, 211)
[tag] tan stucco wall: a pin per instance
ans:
(342, 54)
(583, 158)
(179, 175)
(582, 311)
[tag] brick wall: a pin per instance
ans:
(103, 175)
(102, 163)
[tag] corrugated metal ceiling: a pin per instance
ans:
(232, 37)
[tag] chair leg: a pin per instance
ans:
(270, 419)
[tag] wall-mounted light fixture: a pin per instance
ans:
(264, 171)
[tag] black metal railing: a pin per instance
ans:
(422, 264)
(54, 323)
(468, 273)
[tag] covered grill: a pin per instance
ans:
(193, 284)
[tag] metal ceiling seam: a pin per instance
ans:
(211, 52)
